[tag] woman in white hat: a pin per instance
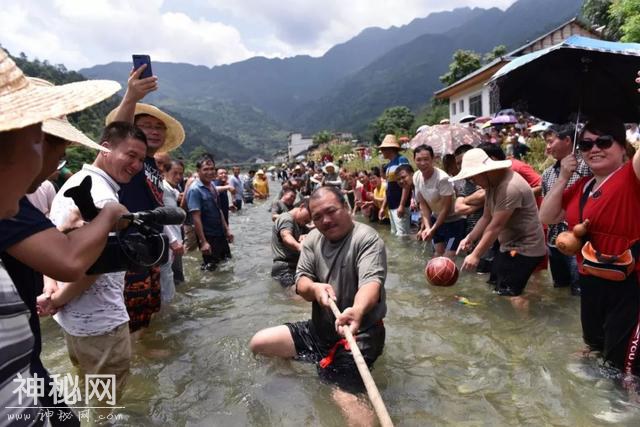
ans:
(510, 215)
(24, 107)
(397, 199)
(330, 175)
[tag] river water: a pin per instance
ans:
(444, 363)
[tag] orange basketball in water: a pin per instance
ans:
(441, 271)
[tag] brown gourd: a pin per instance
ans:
(570, 242)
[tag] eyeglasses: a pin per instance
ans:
(602, 142)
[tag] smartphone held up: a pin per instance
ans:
(138, 61)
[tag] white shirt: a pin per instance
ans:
(100, 309)
(433, 191)
(170, 199)
(236, 182)
(42, 198)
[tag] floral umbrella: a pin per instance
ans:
(444, 139)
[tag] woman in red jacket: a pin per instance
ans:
(610, 200)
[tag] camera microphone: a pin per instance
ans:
(163, 215)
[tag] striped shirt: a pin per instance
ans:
(16, 345)
(549, 177)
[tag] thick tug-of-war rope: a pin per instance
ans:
(370, 385)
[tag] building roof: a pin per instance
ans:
(479, 76)
(482, 74)
(519, 51)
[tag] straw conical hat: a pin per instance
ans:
(390, 141)
(174, 136)
(23, 103)
(61, 127)
(476, 161)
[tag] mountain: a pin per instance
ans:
(91, 120)
(280, 86)
(409, 74)
(254, 100)
(259, 100)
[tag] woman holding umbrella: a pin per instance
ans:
(610, 200)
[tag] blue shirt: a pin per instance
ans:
(394, 191)
(19, 349)
(206, 200)
(26, 223)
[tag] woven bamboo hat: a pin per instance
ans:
(390, 141)
(174, 137)
(475, 162)
(61, 127)
(23, 103)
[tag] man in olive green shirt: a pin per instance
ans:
(286, 243)
(345, 261)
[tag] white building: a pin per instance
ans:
(297, 144)
(471, 95)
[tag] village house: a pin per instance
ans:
(472, 96)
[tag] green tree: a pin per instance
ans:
(431, 114)
(78, 155)
(597, 14)
(627, 12)
(464, 63)
(195, 155)
(394, 120)
(322, 137)
(496, 53)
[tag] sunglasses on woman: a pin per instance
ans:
(602, 142)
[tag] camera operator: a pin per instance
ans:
(92, 311)
(37, 247)
(24, 107)
(145, 190)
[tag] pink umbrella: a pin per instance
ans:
(505, 119)
(444, 139)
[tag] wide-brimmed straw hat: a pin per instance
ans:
(23, 103)
(260, 172)
(174, 136)
(390, 141)
(476, 161)
(61, 127)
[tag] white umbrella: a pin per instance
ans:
(422, 128)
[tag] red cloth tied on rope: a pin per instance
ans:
(328, 359)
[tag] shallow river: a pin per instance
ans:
(444, 363)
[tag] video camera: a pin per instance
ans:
(138, 246)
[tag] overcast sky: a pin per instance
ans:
(81, 33)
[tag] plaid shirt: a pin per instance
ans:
(549, 177)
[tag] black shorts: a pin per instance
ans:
(512, 273)
(220, 251)
(343, 371)
(450, 233)
(283, 273)
(609, 313)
